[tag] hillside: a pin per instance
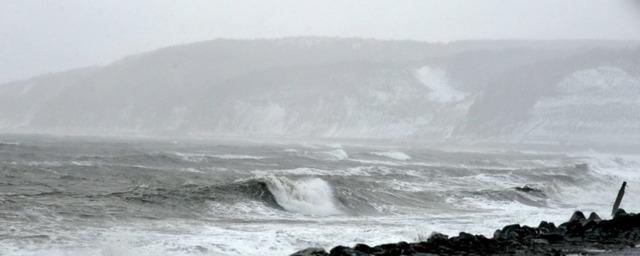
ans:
(513, 91)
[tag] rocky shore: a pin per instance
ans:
(580, 235)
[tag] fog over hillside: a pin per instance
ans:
(506, 91)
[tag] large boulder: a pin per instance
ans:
(346, 251)
(577, 216)
(314, 251)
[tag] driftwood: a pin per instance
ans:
(616, 204)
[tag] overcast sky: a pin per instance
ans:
(41, 36)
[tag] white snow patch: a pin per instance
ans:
(438, 81)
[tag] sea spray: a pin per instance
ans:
(310, 196)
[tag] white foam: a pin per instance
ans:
(83, 163)
(190, 169)
(351, 171)
(613, 165)
(310, 196)
(238, 157)
(334, 155)
(406, 185)
(313, 217)
(199, 157)
(190, 157)
(248, 210)
(397, 155)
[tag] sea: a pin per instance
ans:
(105, 196)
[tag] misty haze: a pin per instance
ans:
(311, 128)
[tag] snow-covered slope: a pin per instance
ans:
(344, 88)
(597, 104)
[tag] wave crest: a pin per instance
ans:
(311, 196)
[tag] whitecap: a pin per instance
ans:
(397, 155)
(310, 196)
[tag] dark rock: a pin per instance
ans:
(594, 217)
(539, 241)
(577, 216)
(571, 237)
(574, 229)
(436, 237)
(553, 237)
(590, 224)
(619, 213)
(463, 238)
(311, 252)
(507, 233)
(621, 222)
(363, 248)
(547, 227)
(401, 248)
(515, 232)
(527, 189)
(531, 190)
(405, 248)
(346, 251)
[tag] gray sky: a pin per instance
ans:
(41, 36)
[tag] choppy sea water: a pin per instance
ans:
(62, 196)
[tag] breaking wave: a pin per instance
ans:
(336, 154)
(312, 196)
(308, 196)
(621, 166)
(256, 190)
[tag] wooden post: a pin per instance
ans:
(616, 204)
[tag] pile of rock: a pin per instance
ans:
(580, 235)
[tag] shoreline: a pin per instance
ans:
(579, 236)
